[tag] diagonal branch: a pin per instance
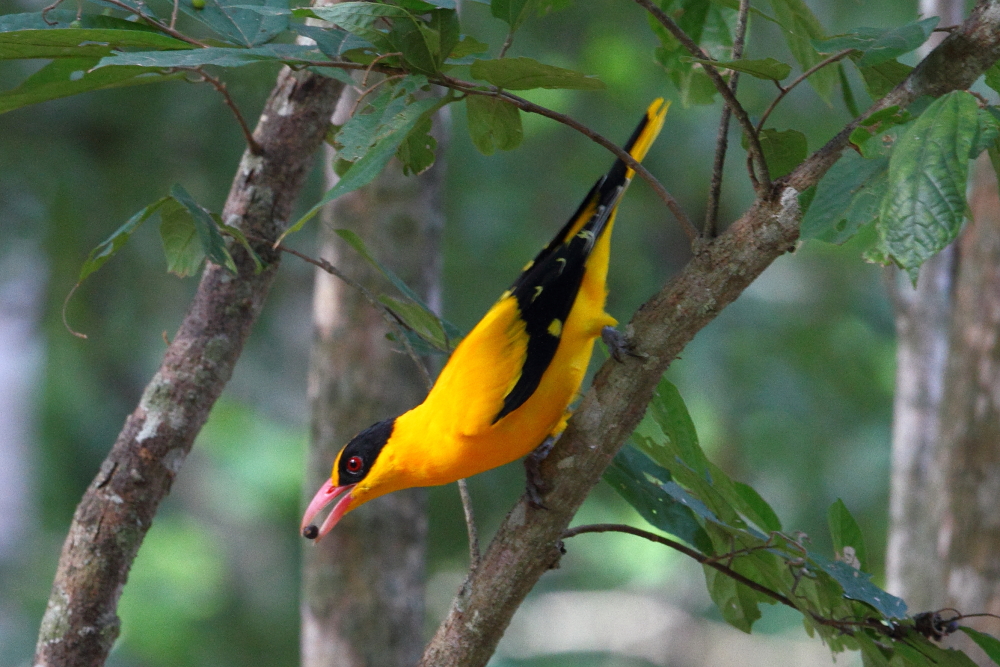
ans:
(80, 623)
(527, 544)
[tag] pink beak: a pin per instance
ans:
(326, 494)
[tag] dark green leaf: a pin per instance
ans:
(80, 42)
(847, 92)
(242, 240)
(768, 68)
(993, 77)
(512, 12)
(106, 250)
(763, 515)
(493, 124)
(989, 643)
(70, 76)
(468, 46)
(671, 415)
(360, 18)
(925, 204)
(846, 534)
(416, 153)
(878, 45)
(526, 74)
(800, 27)
(425, 46)
(783, 151)
(212, 243)
(870, 136)
(180, 240)
(857, 586)
(332, 42)
(986, 133)
(414, 317)
(243, 22)
(219, 56)
(847, 198)
(994, 153)
(737, 603)
(880, 79)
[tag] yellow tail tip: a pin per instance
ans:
(656, 113)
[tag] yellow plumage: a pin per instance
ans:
(509, 382)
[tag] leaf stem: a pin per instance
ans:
(157, 24)
(802, 77)
(254, 147)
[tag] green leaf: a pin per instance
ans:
(846, 534)
(882, 78)
(180, 240)
(71, 76)
(737, 603)
(846, 91)
(212, 243)
(80, 42)
(783, 151)
(415, 318)
(763, 515)
(527, 74)
(468, 46)
(800, 27)
(669, 412)
(361, 19)
(986, 133)
(639, 481)
(767, 68)
(878, 45)
(924, 205)
(512, 12)
(107, 249)
(242, 240)
(374, 160)
(493, 123)
(331, 42)
(214, 55)
(416, 153)
(847, 198)
(992, 77)
(425, 46)
(243, 22)
(857, 586)
(989, 643)
(871, 135)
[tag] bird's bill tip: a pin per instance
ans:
(326, 494)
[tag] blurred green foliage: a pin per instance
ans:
(790, 387)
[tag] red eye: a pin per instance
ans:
(354, 464)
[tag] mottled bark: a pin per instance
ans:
(970, 415)
(527, 544)
(914, 568)
(80, 623)
(363, 584)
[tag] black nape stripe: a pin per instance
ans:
(367, 445)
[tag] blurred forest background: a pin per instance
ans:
(790, 387)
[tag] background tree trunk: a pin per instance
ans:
(914, 567)
(363, 584)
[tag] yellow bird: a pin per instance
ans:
(508, 384)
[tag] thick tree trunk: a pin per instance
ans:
(80, 623)
(363, 584)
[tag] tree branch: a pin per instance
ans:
(80, 623)
(526, 545)
(763, 185)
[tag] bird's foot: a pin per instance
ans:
(535, 486)
(619, 345)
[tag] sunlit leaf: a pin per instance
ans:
(493, 124)
(526, 74)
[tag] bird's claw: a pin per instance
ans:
(535, 486)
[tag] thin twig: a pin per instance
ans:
(255, 148)
(157, 24)
(687, 551)
(173, 14)
(802, 77)
(372, 299)
(372, 65)
(364, 93)
(470, 525)
(762, 178)
(722, 141)
(618, 152)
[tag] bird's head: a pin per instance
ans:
(357, 478)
